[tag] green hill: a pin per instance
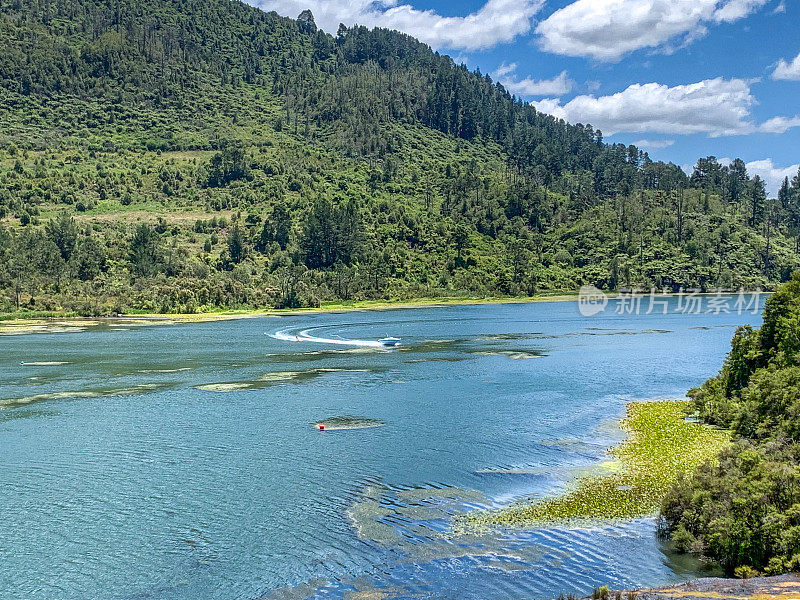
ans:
(184, 155)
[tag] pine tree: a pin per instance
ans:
(145, 253)
(236, 245)
(319, 240)
(758, 196)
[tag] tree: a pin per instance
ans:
(277, 228)
(461, 242)
(772, 214)
(757, 197)
(64, 234)
(795, 187)
(737, 179)
(707, 174)
(785, 195)
(88, 259)
(794, 210)
(236, 245)
(228, 165)
(145, 252)
(350, 233)
(305, 21)
(318, 242)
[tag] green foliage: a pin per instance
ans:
(331, 234)
(601, 593)
(744, 509)
(236, 245)
(64, 234)
(146, 252)
(227, 166)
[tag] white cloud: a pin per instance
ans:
(787, 70)
(771, 174)
(609, 29)
(498, 21)
(504, 70)
(780, 9)
(733, 10)
(557, 86)
(716, 107)
(653, 144)
(779, 124)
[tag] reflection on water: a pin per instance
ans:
(183, 462)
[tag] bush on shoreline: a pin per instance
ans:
(743, 510)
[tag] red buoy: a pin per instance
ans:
(320, 426)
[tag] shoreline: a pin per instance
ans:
(56, 322)
(775, 587)
(22, 325)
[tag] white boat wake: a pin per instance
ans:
(305, 336)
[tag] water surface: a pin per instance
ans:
(181, 462)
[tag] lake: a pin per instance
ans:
(181, 462)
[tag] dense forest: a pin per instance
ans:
(744, 509)
(192, 155)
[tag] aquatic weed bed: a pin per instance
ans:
(661, 445)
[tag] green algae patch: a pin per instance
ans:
(273, 378)
(144, 388)
(347, 422)
(234, 386)
(661, 445)
(511, 354)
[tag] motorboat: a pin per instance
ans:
(389, 342)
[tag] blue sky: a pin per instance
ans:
(680, 78)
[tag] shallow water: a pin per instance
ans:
(182, 462)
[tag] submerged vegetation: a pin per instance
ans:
(662, 445)
(199, 155)
(744, 509)
(347, 422)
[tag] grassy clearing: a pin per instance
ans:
(661, 445)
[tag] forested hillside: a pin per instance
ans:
(744, 509)
(184, 155)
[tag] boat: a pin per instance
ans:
(390, 342)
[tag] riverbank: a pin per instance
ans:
(661, 445)
(27, 323)
(780, 587)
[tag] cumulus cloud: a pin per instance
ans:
(653, 144)
(787, 70)
(557, 86)
(609, 29)
(733, 10)
(498, 21)
(779, 124)
(715, 107)
(772, 174)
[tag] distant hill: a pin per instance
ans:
(181, 155)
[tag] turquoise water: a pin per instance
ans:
(126, 473)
